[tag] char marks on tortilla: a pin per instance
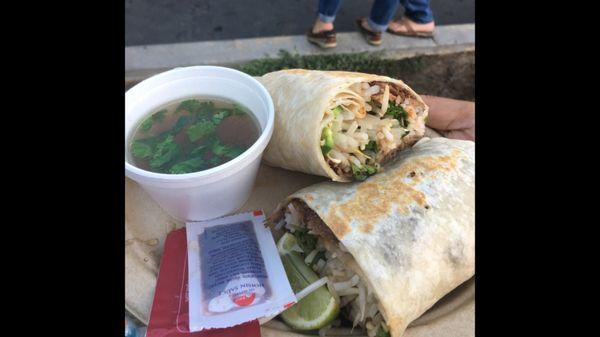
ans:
(375, 199)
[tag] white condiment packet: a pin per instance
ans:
(235, 273)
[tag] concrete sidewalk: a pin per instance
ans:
(179, 21)
(143, 61)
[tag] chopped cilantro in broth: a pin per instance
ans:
(193, 135)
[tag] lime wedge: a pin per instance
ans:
(286, 243)
(317, 309)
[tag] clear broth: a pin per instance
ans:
(192, 135)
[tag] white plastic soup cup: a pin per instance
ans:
(219, 190)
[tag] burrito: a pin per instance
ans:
(341, 125)
(389, 248)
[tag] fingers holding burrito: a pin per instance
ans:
(453, 118)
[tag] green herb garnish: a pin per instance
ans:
(234, 151)
(372, 146)
(187, 166)
(362, 173)
(159, 116)
(147, 125)
(180, 124)
(199, 151)
(214, 161)
(204, 111)
(165, 152)
(223, 150)
(200, 130)
(382, 333)
(327, 136)
(219, 116)
(397, 112)
(220, 149)
(238, 110)
(190, 105)
(190, 143)
(141, 150)
(196, 108)
(306, 241)
(149, 122)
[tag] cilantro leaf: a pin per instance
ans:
(205, 111)
(140, 149)
(220, 149)
(218, 117)
(159, 116)
(397, 112)
(238, 110)
(306, 241)
(382, 333)
(190, 105)
(147, 125)
(165, 152)
(224, 150)
(358, 173)
(199, 151)
(200, 130)
(149, 122)
(180, 124)
(215, 161)
(234, 151)
(187, 166)
(196, 108)
(372, 146)
(371, 170)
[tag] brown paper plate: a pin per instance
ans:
(147, 225)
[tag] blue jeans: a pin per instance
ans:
(382, 11)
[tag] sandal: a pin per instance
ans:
(373, 38)
(325, 39)
(410, 32)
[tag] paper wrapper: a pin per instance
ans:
(146, 227)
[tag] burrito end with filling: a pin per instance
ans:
(341, 125)
(392, 246)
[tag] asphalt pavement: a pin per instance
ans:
(174, 21)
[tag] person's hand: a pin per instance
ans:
(452, 118)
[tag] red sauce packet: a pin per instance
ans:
(170, 310)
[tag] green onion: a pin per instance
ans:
(337, 110)
(327, 136)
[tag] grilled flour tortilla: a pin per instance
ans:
(396, 243)
(341, 125)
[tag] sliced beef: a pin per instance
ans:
(397, 94)
(313, 221)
